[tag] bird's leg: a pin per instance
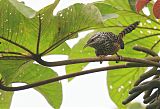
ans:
(120, 57)
(101, 57)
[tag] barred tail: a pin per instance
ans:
(129, 29)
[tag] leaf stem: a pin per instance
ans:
(15, 58)
(156, 29)
(16, 53)
(140, 38)
(61, 41)
(39, 34)
(16, 44)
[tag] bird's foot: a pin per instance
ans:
(101, 57)
(120, 57)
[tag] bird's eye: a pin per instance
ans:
(92, 40)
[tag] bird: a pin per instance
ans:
(108, 43)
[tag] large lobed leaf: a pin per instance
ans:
(22, 25)
(145, 35)
(27, 72)
(5, 99)
(23, 29)
(33, 73)
(74, 19)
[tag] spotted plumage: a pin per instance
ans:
(107, 43)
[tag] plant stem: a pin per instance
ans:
(39, 34)
(96, 59)
(36, 84)
(16, 44)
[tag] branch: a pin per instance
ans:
(16, 44)
(143, 63)
(39, 34)
(5, 88)
(97, 59)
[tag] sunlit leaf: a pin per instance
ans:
(74, 19)
(132, 4)
(135, 105)
(5, 99)
(8, 71)
(33, 73)
(23, 30)
(26, 11)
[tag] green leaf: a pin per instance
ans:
(145, 35)
(120, 82)
(26, 72)
(62, 49)
(74, 19)
(5, 99)
(26, 11)
(132, 4)
(105, 8)
(23, 30)
(79, 52)
(33, 73)
(136, 105)
(52, 30)
(8, 71)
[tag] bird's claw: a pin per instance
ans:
(120, 57)
(101, 57)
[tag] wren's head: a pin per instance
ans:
(95, 41)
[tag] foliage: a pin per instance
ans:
(24, 32)
(27, 35)
(122, 80)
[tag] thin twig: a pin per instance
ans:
(39, 34)
(16, 44)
